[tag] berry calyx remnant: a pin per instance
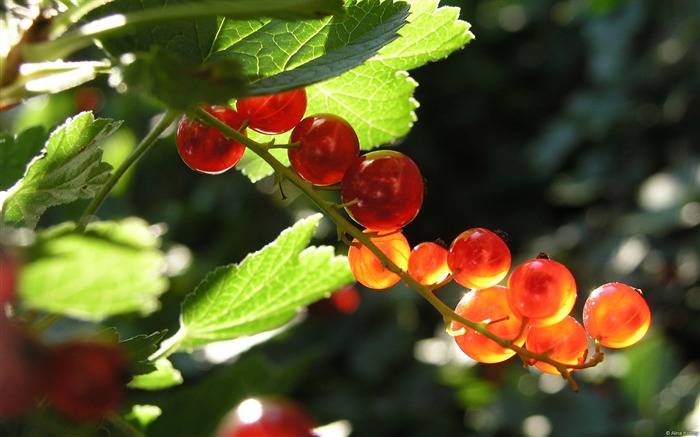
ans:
(490, 305)
(275, 113)
(327, 147)
(427, 263)
(616, 315)
(383, 190)
(369, 270)
(204, 148)
(565, 341)
(86, 379)
(479, 257)
(542, 291)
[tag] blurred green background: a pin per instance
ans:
(572, 125)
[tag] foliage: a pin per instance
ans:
(548, 128)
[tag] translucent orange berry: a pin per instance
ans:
(565, 342)
(617, 315)
(542, 291)
(369, 270)
(488, 304)
(427, 263)
(479, 257)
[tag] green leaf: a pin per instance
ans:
(16, 153)
(377, 97)
(140, 348)
(143, 414)
(190, 29)
(69, 168)
(113, 268)
(163, 376)
(293, 55)
(265, 291)
(162, 76)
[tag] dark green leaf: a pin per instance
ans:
(140, 348)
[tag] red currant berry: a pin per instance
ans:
(488, 304)
(8, 280)
(479, 258)
(565, 342)
(542, 291)
(273, 114)
(427, 263)
(327, 147)
(22, 359)
(87, 379)
(267, 418)
(368, 269)
(383, 190)
(205, 149)
(617, 315)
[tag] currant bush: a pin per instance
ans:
(273, 114)
(616, 315)
(204, 148)
(86, 379)
(369, 270)
(488, 305)
(427, 263)
(383, 190)
(542, 291)
(565, 341)
(479, 258)
(327, 147)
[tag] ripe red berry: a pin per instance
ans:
(383, 190)
(368, 269)
(542, 291)
(22, 364)
(267, 417)
(8, 280)
(479, 257)
(86, 380)
(327, 147)
(205, 149)
(488, 304)
(273, 114)
(617, 315)
(565, 342)
(427, 263)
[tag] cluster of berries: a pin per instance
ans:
(531, 311)
(383, 191)
(84, 380)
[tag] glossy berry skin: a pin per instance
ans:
(565, 342)
(267, 417)
(86, 380)
(383, 190)
(479, 257)
(327, 147)
(22, 369)
(617, 315)
(488, 304)
(427, 263)
(368, 269)
(204, 148)
(273, 114)
(542, 291)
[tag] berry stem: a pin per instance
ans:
(168, 118)
(346, 227)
